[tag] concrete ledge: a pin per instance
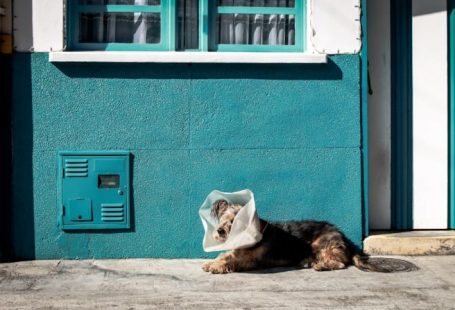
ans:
(411, 243)
(188, 57)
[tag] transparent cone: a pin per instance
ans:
(245, 230)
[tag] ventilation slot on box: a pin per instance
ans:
(76, 168)
(112, 212)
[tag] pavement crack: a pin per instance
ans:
(126, 274)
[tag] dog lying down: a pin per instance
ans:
(319, 245)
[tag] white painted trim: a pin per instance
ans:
(48, 28)
(309, 31)
(335, 26)
(187, 57)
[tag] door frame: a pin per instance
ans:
(364, 117)
(451, 121)
(401, 113)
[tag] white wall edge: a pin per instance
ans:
(187, 57)
(430, 114)
(335, 26)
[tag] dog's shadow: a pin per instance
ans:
(387, 264)
(274, 270)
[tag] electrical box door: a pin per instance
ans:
(94, 190)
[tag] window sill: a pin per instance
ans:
(187, 57)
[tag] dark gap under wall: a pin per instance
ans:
(22, 223)
(5, 163)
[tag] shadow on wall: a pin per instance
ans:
(23, 226)
(5, 166)
(424, 7)
(328, 71)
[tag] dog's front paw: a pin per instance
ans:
(206, 266)
(217, 267)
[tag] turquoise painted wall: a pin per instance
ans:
(290, 133)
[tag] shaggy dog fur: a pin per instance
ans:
(319, 245)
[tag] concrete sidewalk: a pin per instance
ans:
(181, 284)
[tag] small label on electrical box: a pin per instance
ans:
(108, 181)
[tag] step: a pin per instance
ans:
(417, 242)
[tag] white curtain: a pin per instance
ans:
(140, 27)
(118, 27)
(258, 29)
(253, 29)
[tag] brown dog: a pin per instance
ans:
(319, 245)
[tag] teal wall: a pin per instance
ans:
(290, 133)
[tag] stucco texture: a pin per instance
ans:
(289, 133)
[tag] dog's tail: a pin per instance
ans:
(383, 264)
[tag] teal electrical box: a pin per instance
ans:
(94, 190)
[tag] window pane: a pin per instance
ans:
(259, 3)
(120, 28)
(124, 2)
(187, 24)
(256, 29)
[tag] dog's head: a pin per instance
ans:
(225, 213)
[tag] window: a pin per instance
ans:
(258, 25)
(118, 24)
(187, 25)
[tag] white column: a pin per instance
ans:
(430, 102)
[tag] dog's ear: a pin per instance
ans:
(219, 207)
